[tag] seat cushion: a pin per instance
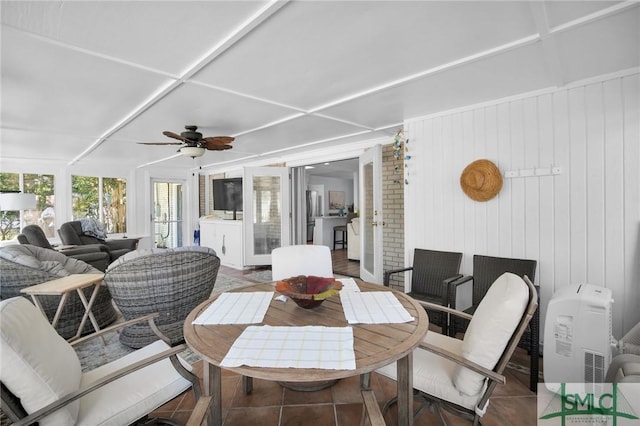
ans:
(38, 366)
(433, 374)
(490, 329)
(290, 261)
(134, 395)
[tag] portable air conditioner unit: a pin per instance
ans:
(578, 341)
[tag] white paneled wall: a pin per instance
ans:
(582, 226)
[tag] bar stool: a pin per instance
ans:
(342, 230)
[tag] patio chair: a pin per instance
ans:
(96, 255)
(432, 271)
(42, 380)
(630, 342)
(486, 269)
(460, 375)
(71, 233)
(171, 282)
(624, 368)
(26, 265)
(291, 261)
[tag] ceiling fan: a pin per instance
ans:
(193, 144)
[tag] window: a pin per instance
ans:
(11, 222)
(101, 198)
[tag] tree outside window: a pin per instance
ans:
(9, 220)
(44, 214)
(100, 198)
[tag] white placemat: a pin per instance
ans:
(329, 348)
(348, 284)
(236, 308)
(373, 307)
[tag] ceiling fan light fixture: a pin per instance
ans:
(192, 151)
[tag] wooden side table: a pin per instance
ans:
(62, 287)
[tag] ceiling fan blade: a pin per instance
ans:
(219, 140)
(160, 143)
(214, 147)
(174, 136)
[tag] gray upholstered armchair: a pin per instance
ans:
(71, 233)
(169, 281)
(25, 265)
(96, 255)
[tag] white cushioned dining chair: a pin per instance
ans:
(460, 375)
(42, 380)
(291, 261)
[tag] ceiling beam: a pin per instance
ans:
(233, 37)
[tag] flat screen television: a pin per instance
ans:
(227, 195)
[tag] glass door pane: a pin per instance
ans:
(371, 260)
(167, 214)
(267, 212)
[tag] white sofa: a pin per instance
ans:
(353, 239)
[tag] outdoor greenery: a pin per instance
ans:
(9, 220)
(85, 192)
(43, 215)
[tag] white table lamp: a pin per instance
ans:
(17, 201)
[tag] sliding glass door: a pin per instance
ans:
(167, 213)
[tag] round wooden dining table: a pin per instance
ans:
(375, 345)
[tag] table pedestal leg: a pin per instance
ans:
(365, 381)
(213, 387)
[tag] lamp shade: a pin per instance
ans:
(17, 201)
(192, 151)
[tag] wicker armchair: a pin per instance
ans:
(26, 265)
(169, 281)
(432, 271)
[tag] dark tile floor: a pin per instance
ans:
(341, 405)
(271, 404)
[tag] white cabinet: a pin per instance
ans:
(225, 237)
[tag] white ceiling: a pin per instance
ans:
(83, 82)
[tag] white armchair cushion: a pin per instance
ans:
(135, 394)
(433, 374)
(37, 376)
(490, 329)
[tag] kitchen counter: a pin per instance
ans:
(323, 232)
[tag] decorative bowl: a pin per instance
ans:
(308, 291)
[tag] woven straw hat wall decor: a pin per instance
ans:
(481, 180)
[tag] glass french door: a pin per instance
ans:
(267, 212)
(167, 222)
(371, 222)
